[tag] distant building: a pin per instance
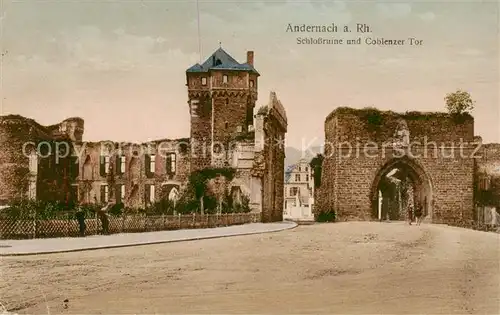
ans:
(299, 192)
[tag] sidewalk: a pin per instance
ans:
(58, 245)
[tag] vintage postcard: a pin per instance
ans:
(328, 157)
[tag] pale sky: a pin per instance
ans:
(121, 65)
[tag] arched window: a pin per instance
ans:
(174, 194)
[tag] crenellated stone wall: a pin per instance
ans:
(47, 177)
(271, 128)
(360, 145)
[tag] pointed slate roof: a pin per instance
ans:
(221, 60)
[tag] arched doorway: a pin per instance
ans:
(399, 184)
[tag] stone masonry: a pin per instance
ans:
(361, 146)
(222, 94)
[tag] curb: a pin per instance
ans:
(288, 226)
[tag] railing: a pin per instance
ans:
(67, 225)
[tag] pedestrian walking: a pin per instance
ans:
(410, 214)
(418, 214)
(103, 217)
(80, 217)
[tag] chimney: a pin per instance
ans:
(250, 57)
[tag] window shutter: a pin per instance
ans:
(118, 166)
(169, 164)
(147, 195)
(147, 161)
(102, 170)
(103, 193)
(118, 193)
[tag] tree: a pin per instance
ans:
(459, 102)
(316, 165)
(218, 186)
(198, 181)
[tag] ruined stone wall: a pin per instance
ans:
(20, 137)
(487, 175)
(270, 160)
(353, 125)
(348, 176)
(136, 174)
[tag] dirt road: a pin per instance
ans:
(356, 267)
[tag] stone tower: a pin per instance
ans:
(222, 94)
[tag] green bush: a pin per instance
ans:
(28, 209)
(163, 206)
(117, 209)
(326, 216)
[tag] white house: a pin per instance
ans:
(299, 192)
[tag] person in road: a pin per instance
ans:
(410, 214)
(103, 216)
(418, 214)
(80, 217)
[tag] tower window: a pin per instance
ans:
(251, 83)
(203, 81)
(224, 79)
(226, 125)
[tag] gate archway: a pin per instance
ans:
(401, 183)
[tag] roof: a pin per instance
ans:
(288, 172)
(221, 60)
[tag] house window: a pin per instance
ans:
(106, 164)
(203, 81)
(297, 177)
(104, 193)
(171, 163)
(120, 193)
(294, 191)
(306, 169)
(104, 169)
(33, 163)
(238, 129)
(300, 169)
(484, 183)
(122, 164)
(150, 163)
(224, 79)
(149, 191)
(226, 125)
(251, 83)
(307, 177)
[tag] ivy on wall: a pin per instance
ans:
(316, 165)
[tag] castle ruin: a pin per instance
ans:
(222, 94)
